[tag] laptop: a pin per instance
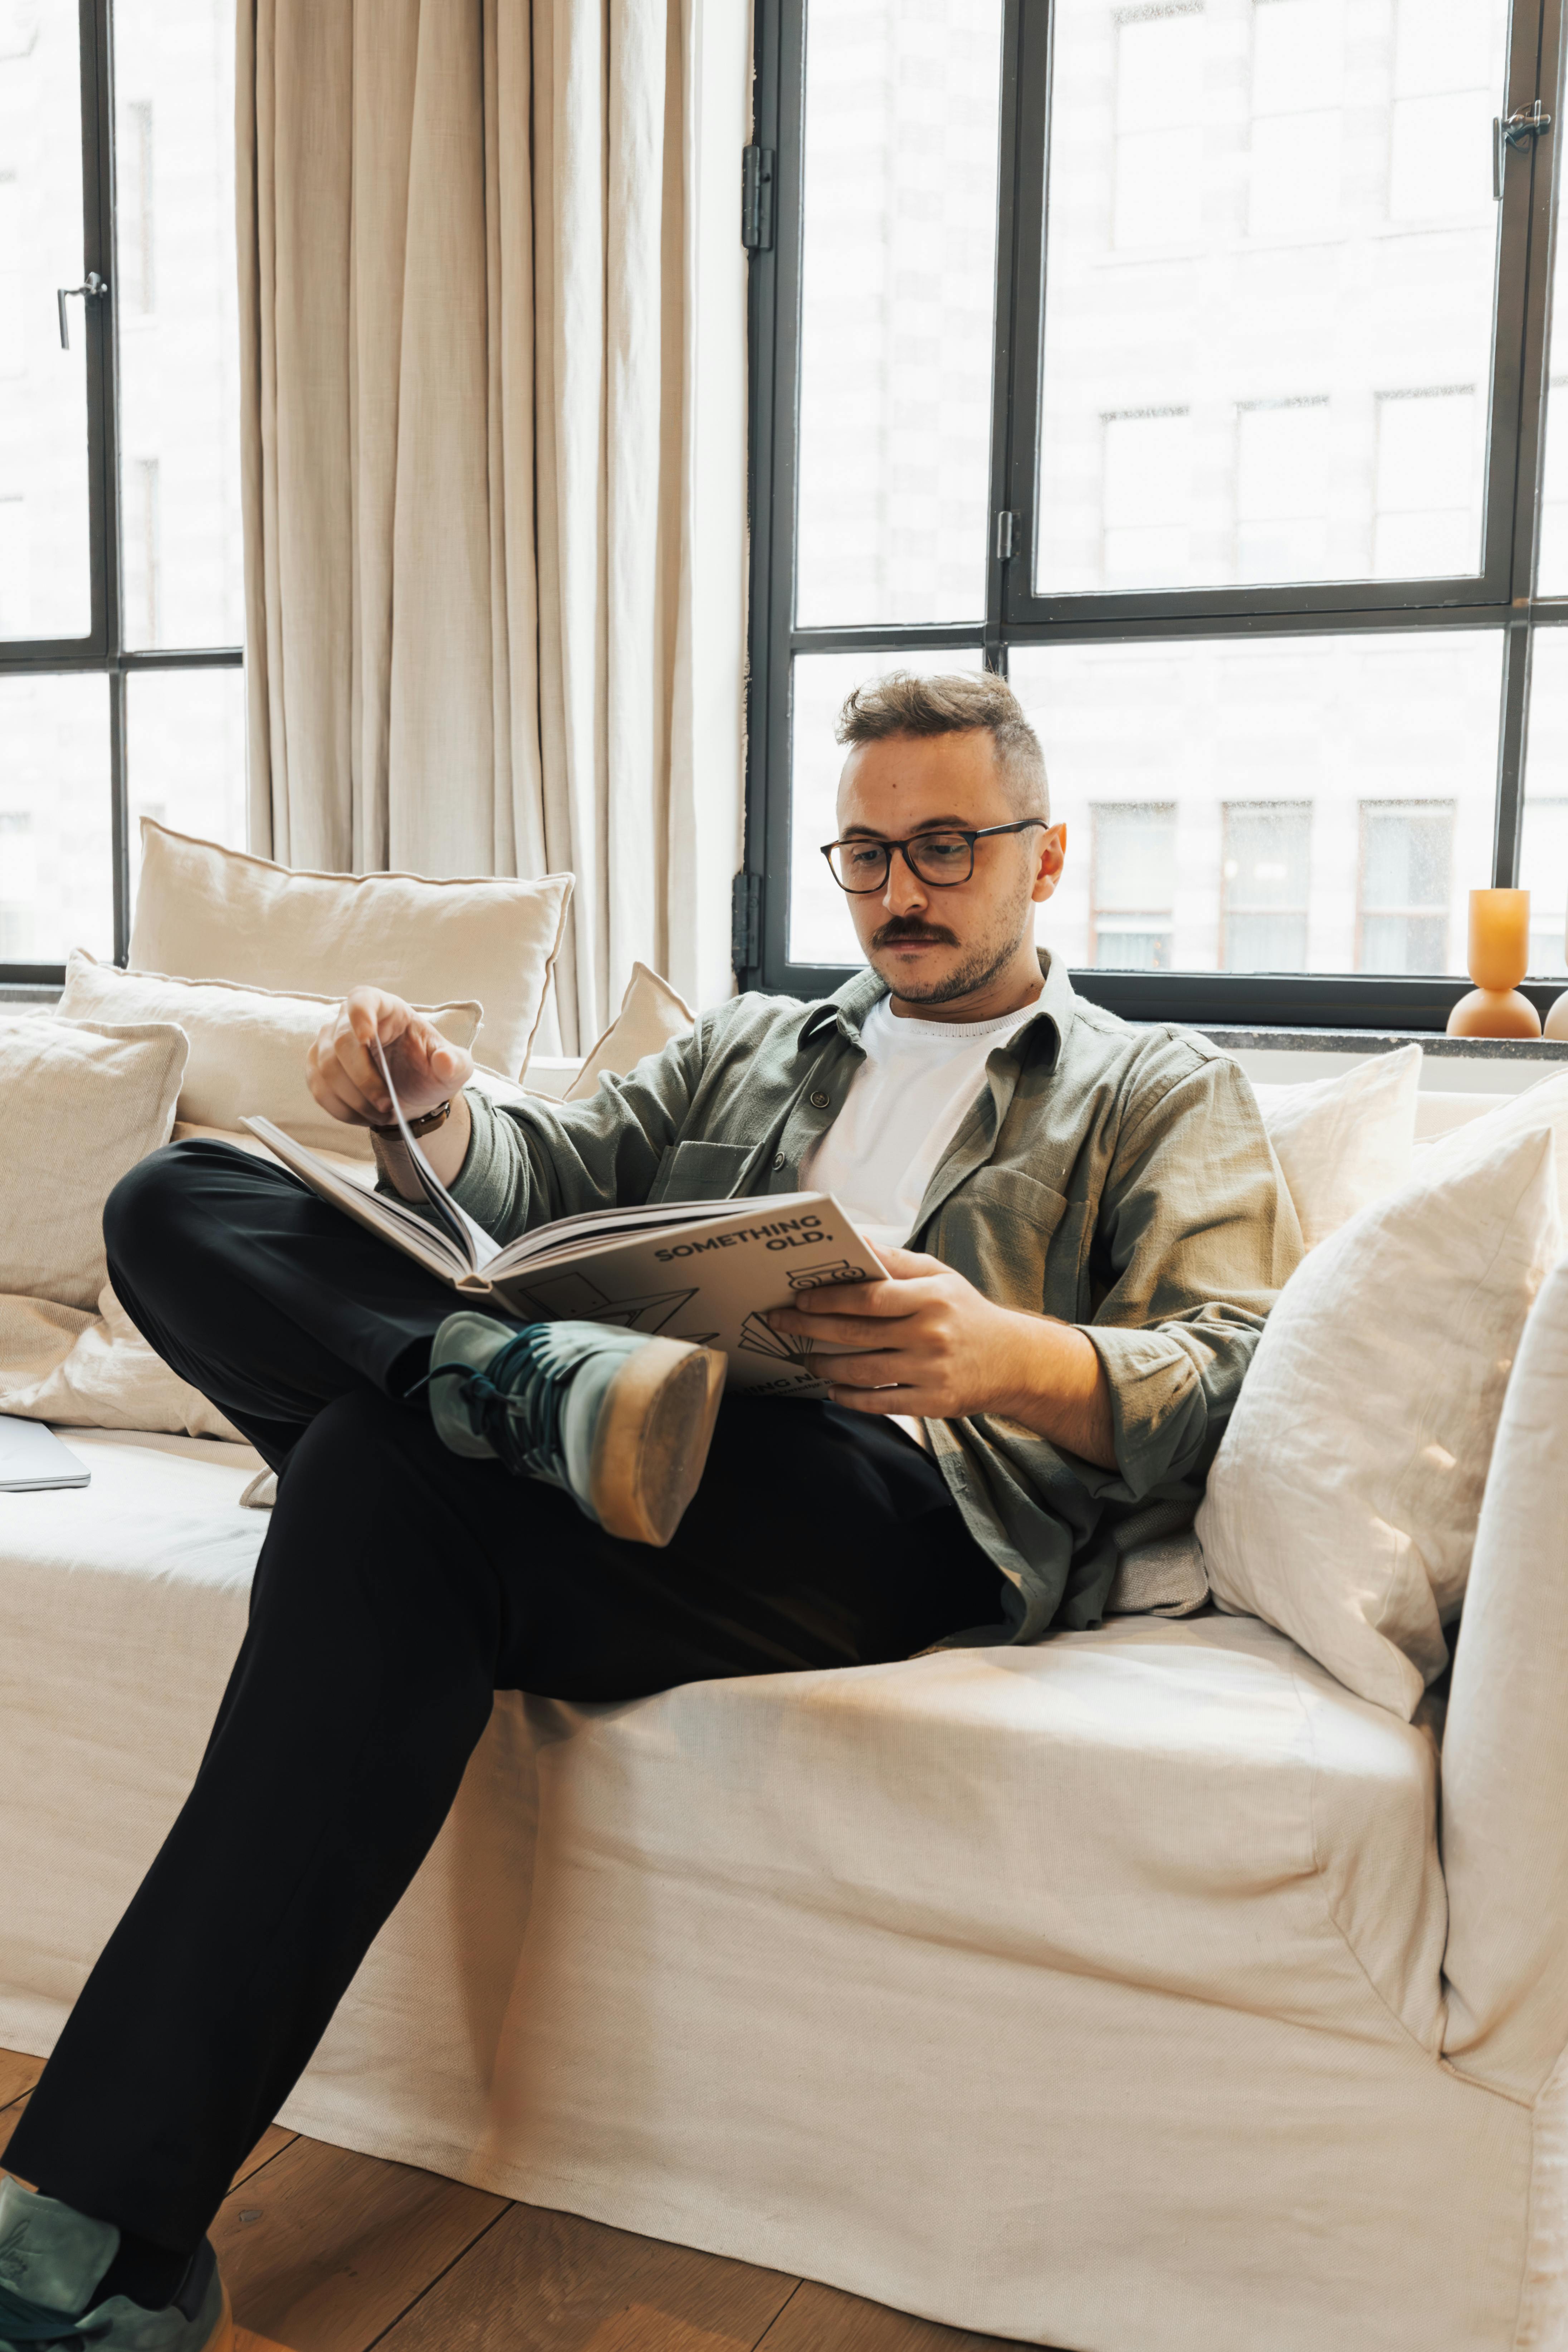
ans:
(32, 1456)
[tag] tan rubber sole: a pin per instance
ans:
(222, 2337)
(651, 1443)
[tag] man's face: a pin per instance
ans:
(930, 943)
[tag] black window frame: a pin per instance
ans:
(102, 652)
(1502, 597)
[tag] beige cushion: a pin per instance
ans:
(1343, 1142)
(651, 1014)
(92, 1370)
(248, 1044)
(213, 913)
(82, 1102)
(1543, 1105)
(1341, 1507)
(1504, 1752)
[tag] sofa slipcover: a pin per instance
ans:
(1089, 1993)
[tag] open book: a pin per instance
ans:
(707, 1271)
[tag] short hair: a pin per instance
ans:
(959, 702)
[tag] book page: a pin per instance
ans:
(390, 1220)
(477, 1246)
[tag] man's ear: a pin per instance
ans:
(1053, 858)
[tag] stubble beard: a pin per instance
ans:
(978, 971)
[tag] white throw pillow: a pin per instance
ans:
(207, 912)
(651, 1014)
(94, 1371)
(248, 1044)
(1545, 1104)
(1343, 1142)
(1341, 1507)
(83, 1102)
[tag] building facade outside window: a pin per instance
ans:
(1256, 497)
(1406, 884)
(1134, 857)
(1267, 884)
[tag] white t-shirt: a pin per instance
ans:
(904, 1106)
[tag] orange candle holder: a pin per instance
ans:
(1556, 1021)
(1499, 960)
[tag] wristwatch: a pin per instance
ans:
(427, 1125)
(392, 1156)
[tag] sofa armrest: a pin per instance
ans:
(1505, 1749)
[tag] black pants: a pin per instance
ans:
(399, 1588)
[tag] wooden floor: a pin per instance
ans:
(326, 2251)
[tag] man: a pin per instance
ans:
(1084, 1229)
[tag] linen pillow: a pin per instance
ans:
(1343, 1143)
(94, 1371)
(1341, 1506)
(248, 1044)
(206, 912)
(84, 1101)
(651, 1014)
(1545, 1104)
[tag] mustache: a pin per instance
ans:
(900, 931)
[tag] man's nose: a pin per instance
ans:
(905, 893)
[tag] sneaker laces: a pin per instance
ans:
(516, 1401)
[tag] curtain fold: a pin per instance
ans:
(482, 517)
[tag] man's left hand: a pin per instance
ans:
(930, 1344)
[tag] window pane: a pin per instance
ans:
(1551, 568)
(820, 930)
(1271, 254)
(185, 740)
(1543, 843)
(176, 312)
(1332, 795)
(56, 889)
(1266, 875)
(44, 577)
(898, 267)
(1134, 858)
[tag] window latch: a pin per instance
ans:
(1525, 122)
(93, 289)
(1006, 529)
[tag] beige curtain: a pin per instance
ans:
(492, 318)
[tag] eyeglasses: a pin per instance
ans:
(940, 858)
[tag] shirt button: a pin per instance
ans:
(778, 1159)
(819, 1101)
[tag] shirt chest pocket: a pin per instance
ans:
(701, 1171)
(1001, 1228)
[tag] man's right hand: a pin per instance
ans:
(343, 1075)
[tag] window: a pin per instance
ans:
(1268, 868)
(1407, 870)
(1134, 853)
(120, 595)
(1159, 107)
(1543, 855)
(1282, 486)
(1166, 358)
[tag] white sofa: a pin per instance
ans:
(1108, 1994)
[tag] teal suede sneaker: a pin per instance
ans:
(622, 1420)
(51, 2260)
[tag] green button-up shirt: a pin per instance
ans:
(1114, 1177)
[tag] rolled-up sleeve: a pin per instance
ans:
(527, 1163)
(1197, 1236)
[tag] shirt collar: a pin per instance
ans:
(847, 1007)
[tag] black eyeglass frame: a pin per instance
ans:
(970, 834)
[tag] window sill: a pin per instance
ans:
(1432, 1042)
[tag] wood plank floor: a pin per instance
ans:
(328, 2252)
